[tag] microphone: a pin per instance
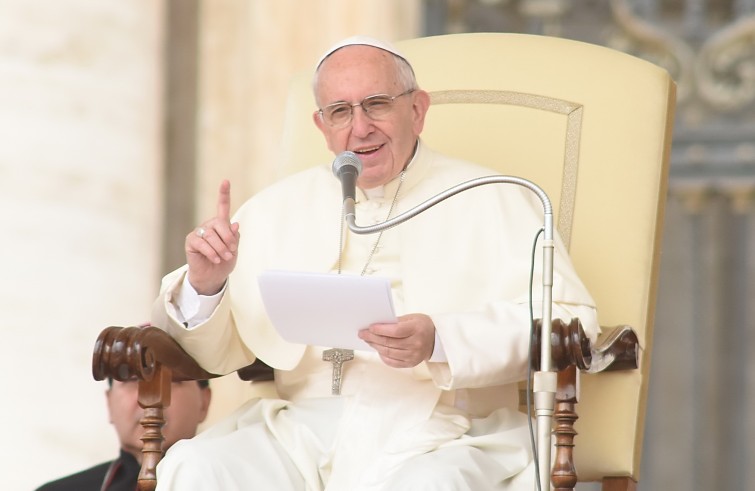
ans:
(347, 167)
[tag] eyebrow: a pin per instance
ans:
(359, 101)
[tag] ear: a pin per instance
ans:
(206, 395)
(326, 132)
(109, 403)
(318, 121)
(420, 105)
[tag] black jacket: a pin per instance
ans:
(117, 475)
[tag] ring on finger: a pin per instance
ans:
(201, 232)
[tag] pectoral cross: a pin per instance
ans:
(337, 357)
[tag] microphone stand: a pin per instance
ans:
(545, 381)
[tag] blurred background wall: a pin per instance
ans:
(81, 148)
(119, 118)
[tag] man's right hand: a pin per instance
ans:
(212, 247)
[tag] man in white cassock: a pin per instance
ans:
(434, 405)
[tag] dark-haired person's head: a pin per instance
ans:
(202, 383)
(189, 403)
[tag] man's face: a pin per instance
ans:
(188, 407)
(385, 146)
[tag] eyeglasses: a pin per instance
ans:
(376, 107)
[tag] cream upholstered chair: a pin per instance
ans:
(592, 127)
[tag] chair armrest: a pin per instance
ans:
(617, 349)
(135, 352)
(572, 350)
(155, 359)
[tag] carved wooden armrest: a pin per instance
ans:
(125, 353)
(617, 349)
(151, 356)
(155, 359)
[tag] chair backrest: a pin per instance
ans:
(590, 125)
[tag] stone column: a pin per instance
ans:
(80, 184)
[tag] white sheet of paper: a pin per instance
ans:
(325, 309)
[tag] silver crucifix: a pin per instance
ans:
(337, 357)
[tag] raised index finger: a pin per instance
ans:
(224, 200)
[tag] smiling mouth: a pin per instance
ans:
(368, 151)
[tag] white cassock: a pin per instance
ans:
(451, 424)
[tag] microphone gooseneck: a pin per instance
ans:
(544, 381)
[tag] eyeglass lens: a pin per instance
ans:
(374, 106)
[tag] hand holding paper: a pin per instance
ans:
(404, 344)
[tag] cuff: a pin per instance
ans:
(193, 307)
(439, 354)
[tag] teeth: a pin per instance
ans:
(365, 150)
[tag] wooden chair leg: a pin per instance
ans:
(619, 484)
(154, 397)
(564, 472)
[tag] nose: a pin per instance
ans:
(361, 124)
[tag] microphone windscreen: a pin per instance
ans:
(344, 160)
